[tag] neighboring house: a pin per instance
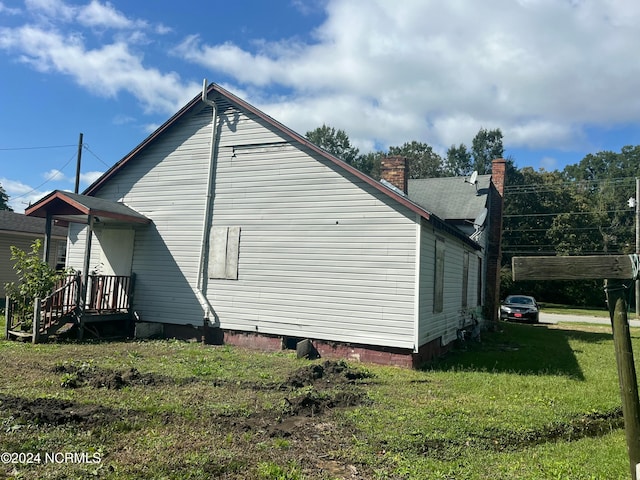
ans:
(257, 237)
(21, 231)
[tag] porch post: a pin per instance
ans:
(47, 238)
(87, 260)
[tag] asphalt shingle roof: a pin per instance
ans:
(17, 222)
(451, 198)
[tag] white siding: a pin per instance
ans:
(167, 183)
(445, 324)
(322, 254)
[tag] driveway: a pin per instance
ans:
(554, 318)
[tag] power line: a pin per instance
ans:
(47, 180)
(520, 215)
(553, 187)
(573, 229)
(6, 149)
(564, 252)
(86, 147)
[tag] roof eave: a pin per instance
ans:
(41, 207)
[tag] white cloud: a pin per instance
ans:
(96, 14)
(438, 71)
(20, 194)
(151, 127)
(55, 9)
(54, 175)
(87, 178)
(105, 71)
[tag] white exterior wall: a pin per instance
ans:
(167, 183)
(322, 254)
(444, 325)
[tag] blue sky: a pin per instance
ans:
(559, 77)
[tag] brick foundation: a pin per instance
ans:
(400, 357)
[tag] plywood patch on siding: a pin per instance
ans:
(223, 253)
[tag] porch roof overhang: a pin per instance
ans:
(76, 208)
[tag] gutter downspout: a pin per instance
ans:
(201, 284)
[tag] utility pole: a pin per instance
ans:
(78, 165)
(637, 243)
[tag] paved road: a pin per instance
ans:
(555, 318)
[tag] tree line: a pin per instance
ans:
(424, 162)
(584, 209)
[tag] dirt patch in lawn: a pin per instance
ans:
(327, 373)
(76, 376)
(311, 392)
(53, 411)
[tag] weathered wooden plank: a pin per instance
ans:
(572, 268)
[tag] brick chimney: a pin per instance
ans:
(395, 170)
(498, 170)
(494, 246)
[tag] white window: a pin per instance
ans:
(224, 250)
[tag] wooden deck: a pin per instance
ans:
(105, 298)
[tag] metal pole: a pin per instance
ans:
(78, 165)
(638, 243)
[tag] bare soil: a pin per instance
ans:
(309, 393)
(53, 411)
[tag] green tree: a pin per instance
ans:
(369, 163)
(534, 224)
(4, 200)
(336, 142)
(459, 161)
(486, 147)
(602, 183)
(423, 161)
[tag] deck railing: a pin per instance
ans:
(109, 293)
(105, 295)
(63, 301)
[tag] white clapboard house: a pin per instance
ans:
(240, 230)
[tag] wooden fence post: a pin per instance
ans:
(627, 379)
(36, 321)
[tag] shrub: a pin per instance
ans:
(36, 279)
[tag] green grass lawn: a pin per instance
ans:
(565, 309)
(529, 402)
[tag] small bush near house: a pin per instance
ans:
(36, 279)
